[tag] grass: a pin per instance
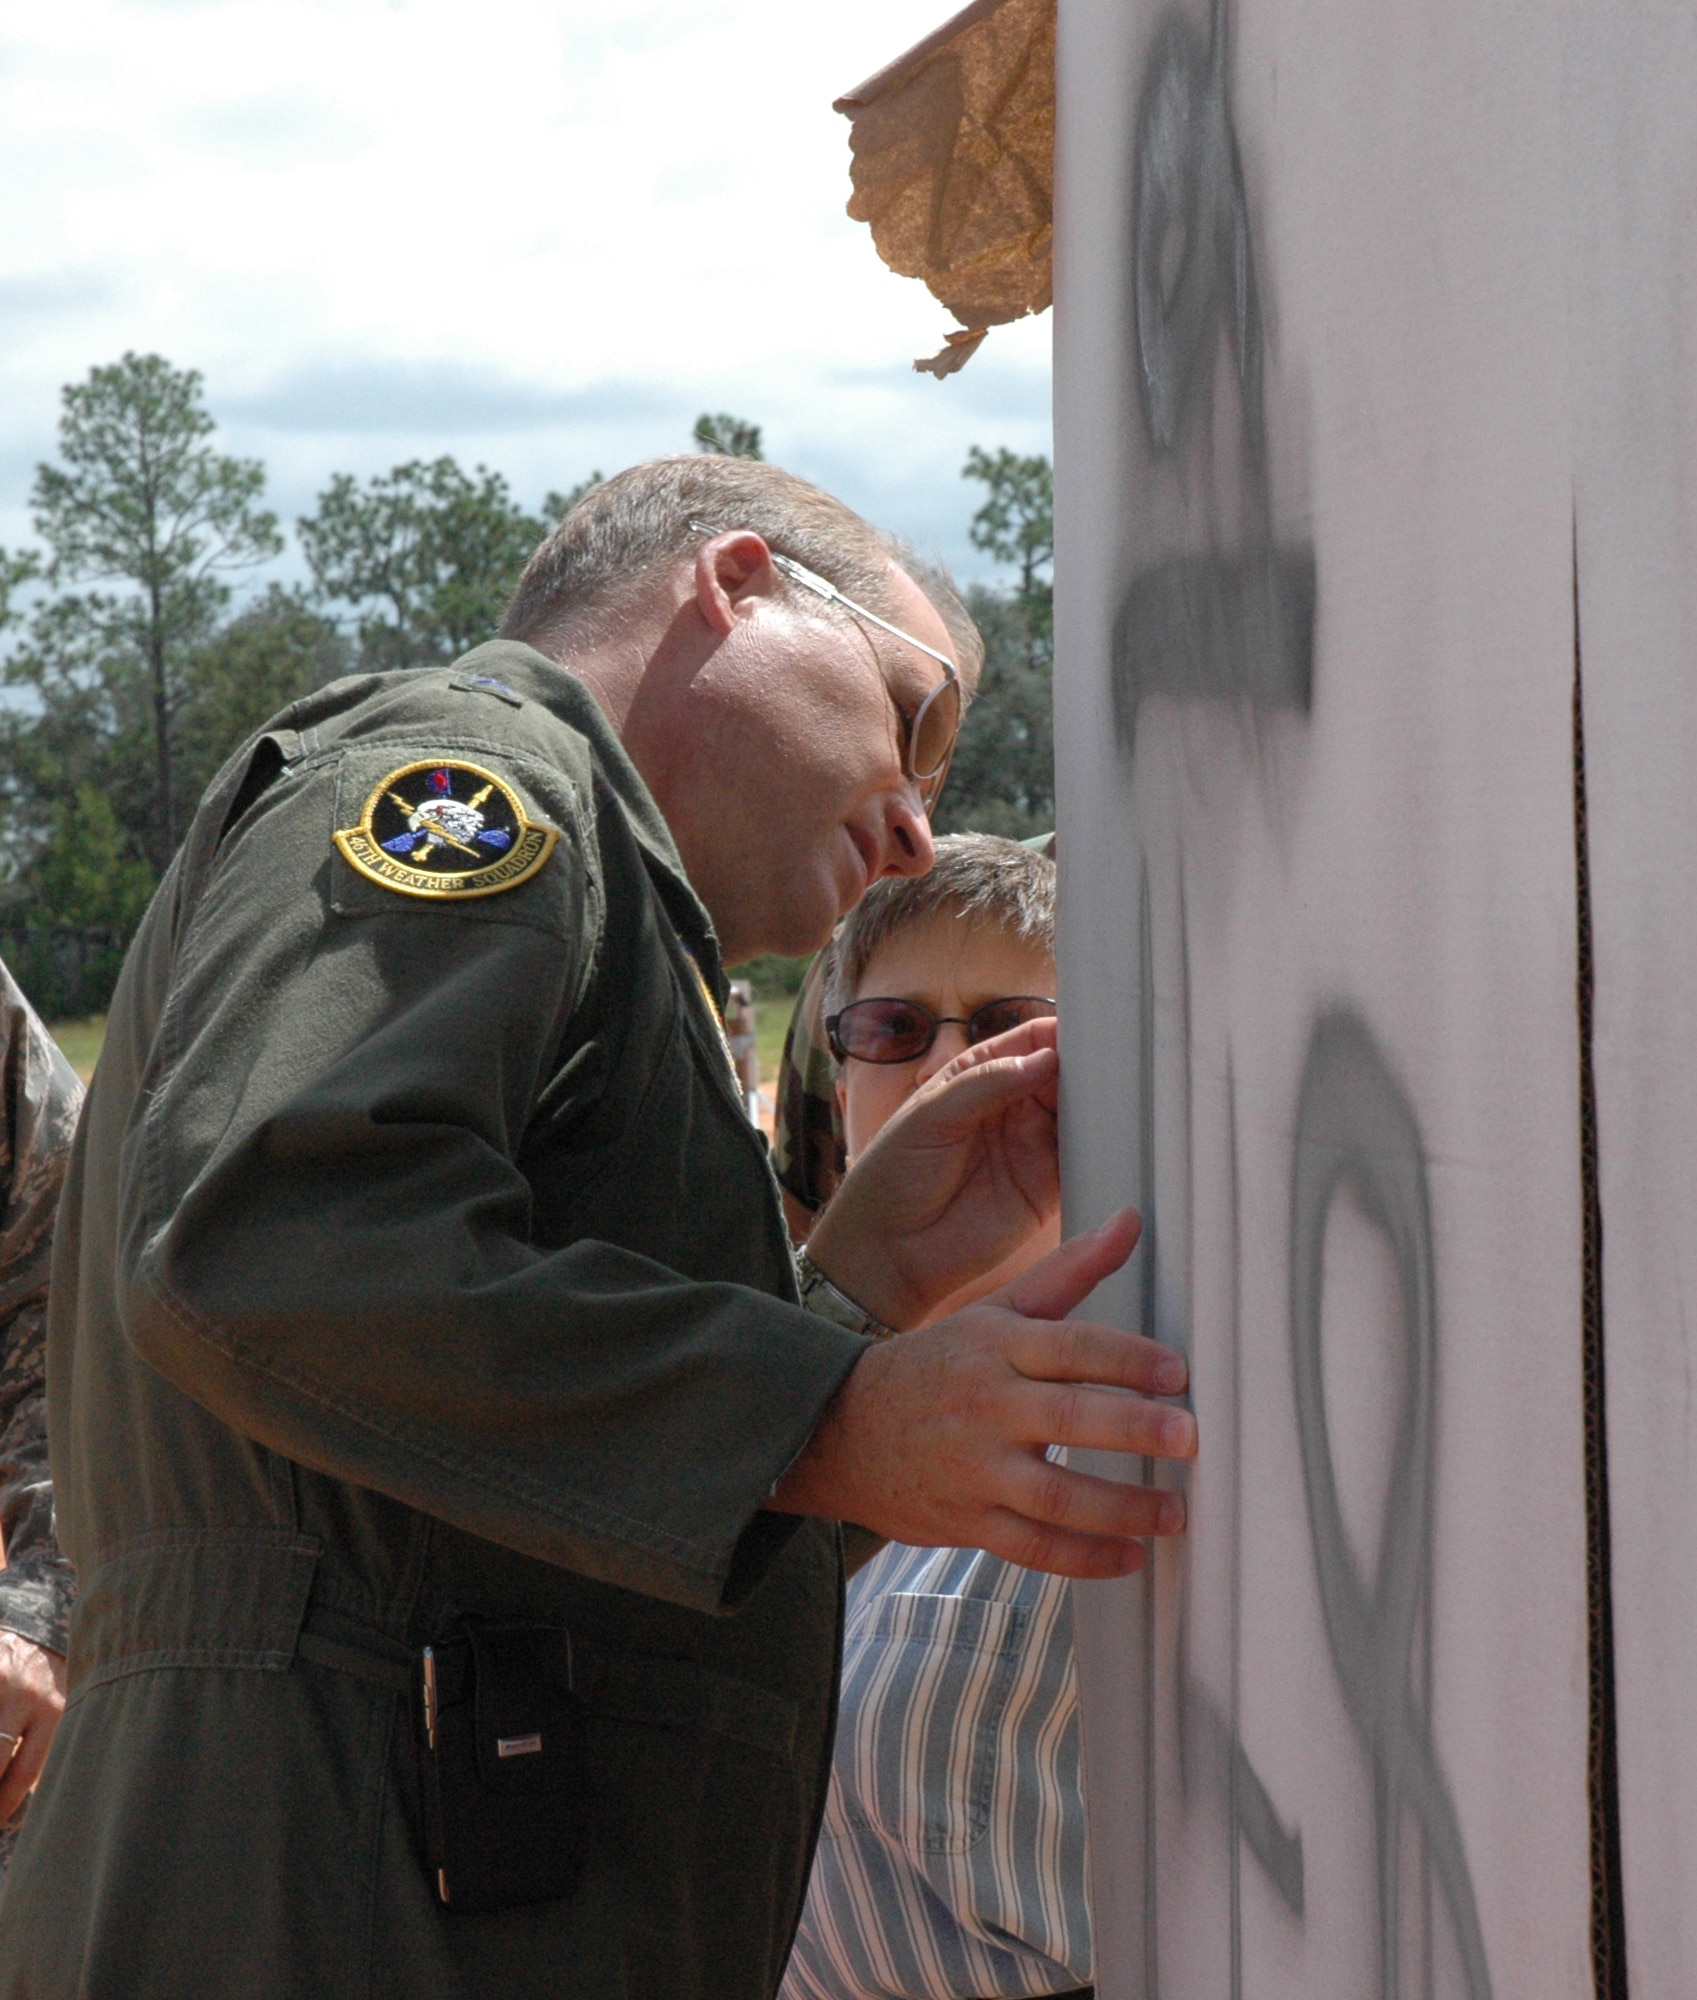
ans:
(771, 1020)
(80, 1042)
(776, 982)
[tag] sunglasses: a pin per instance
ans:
(900, 1031)
(928, 735)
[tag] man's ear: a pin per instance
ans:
(728, 570)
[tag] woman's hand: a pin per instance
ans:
(963, 1176)
(32, 1699)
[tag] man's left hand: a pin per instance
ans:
(32, 1699)
(963, 1175)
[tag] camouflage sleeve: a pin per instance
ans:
(39, 1101)
(807, 1140)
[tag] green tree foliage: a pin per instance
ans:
(88, 890)
(272, 653)
(88, 874)
(14, 570)
(1003, 776)
(88, 722)
(1016, 523)
(142, 503)
(425, 556)
(730, 437)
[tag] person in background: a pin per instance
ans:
(38, 1116)
(951, 1862)
(744, 1047)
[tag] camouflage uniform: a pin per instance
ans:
(41, 1099)
(807, 1140)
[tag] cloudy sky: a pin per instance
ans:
(542, 234)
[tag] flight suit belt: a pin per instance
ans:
(244, 1596)
(610, 1684)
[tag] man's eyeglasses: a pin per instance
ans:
(901, 1031)
(928, 735)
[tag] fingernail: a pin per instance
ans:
(1171, 1375)
(1178, 1434)
(1169, 1519)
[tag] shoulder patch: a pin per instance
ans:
(447, 831)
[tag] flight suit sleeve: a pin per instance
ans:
(41, 1098)
(325, 1233)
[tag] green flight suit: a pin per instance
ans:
(417, 1256)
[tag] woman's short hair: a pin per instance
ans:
(980, 878)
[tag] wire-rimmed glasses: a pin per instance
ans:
(929, 734)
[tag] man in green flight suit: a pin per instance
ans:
(420, 1275)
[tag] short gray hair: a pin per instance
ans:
(653, 514)
(978, 877)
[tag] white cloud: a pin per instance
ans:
(540, 235)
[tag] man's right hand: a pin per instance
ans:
(939, 1437)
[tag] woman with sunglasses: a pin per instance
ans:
(951, 1862)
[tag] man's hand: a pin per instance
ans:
(939, 1438)
(961, 1176)
(32, 1699)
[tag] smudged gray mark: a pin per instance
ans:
(1356, 1128)
(1214, 626)
(1211, 1756)
(1235, 1871)
(1217, 628)
(1210, 1753)
(1193, 261)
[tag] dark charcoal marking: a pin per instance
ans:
(1608, 1892)
(1277, 1849)
(1356, 1128)
(1189, 203)
(1205, 1736)
(1235, 1871)
(1204, 627)
(1208, 1738)
(1217, 628)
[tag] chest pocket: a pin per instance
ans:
(926, 1685)
(640, 1138)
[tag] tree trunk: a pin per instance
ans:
(161, 729)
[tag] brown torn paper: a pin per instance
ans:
(957, 350)
(953, 166)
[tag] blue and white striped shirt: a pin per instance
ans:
(951, 1861)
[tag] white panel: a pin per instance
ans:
(1313, 716)
(1632, 86)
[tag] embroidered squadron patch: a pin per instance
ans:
(448, 831)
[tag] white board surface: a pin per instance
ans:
(1631, 195)
(1315, 668)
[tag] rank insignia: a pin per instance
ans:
(446, 830)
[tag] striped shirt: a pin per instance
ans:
(951, 1862)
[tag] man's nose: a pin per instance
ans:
(908, 847)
